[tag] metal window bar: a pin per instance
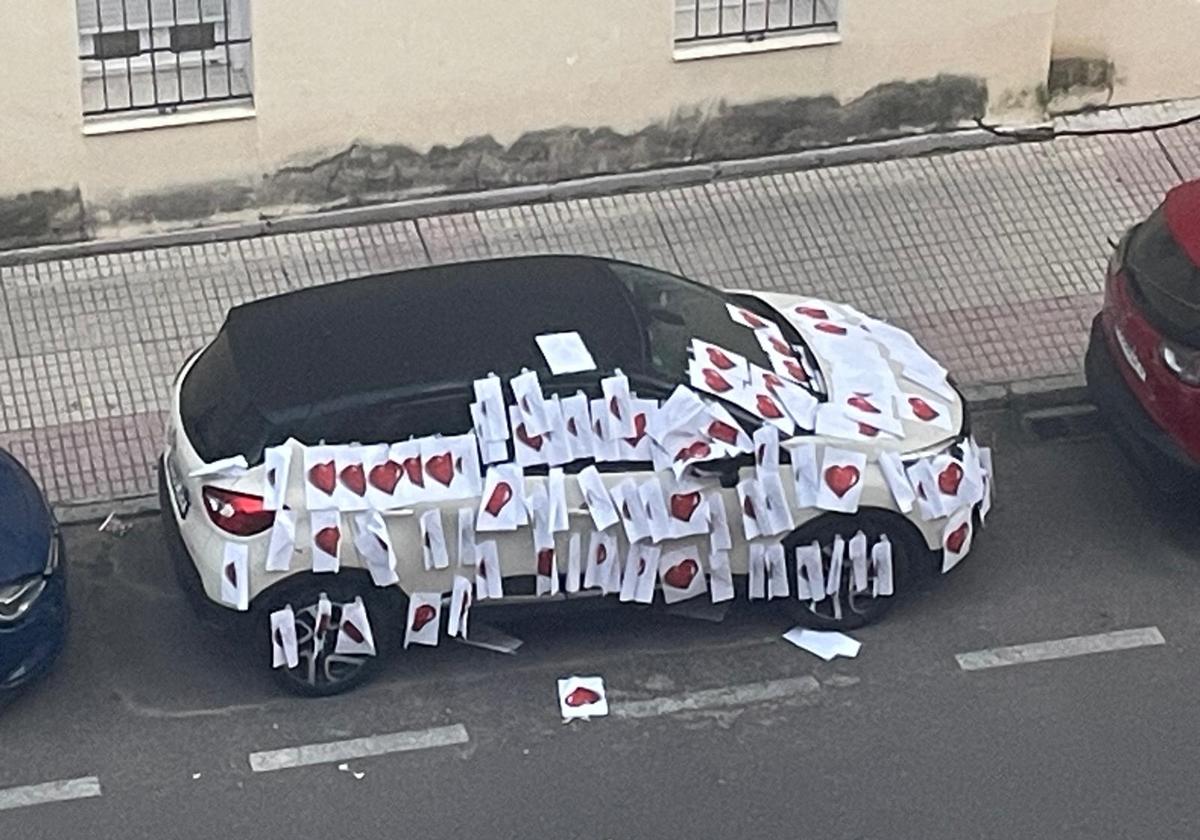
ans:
(751, 20)
(152, 51)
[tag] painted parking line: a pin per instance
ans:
(60, 791)
(715, 698)
(308, 754)
(1060, 648)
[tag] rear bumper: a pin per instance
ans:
(1148, 445)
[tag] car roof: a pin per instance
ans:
(429, 328)
(1182, 211)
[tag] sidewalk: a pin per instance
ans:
(993, 258)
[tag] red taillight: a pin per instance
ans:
(240, 514)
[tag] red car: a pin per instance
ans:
(1143, 361)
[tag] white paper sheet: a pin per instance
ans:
(752, 506)
(423, 626)
(582, 697)
(805, 474)
(720, 581)
(325, 528)
(489, 577)
(283, 541)
(757, 583)
(601, 557)
(351, 491)
(857, 549)
(924, 412)
(883, 584)
(283, 639)
(434, 551)
(492, 422)
(647, 573)
(810, 573)
(234, 467)
(354, 632)
(460, 607)
(897, 480)
(778, 514)
(619, 411)
(466, 537)
(687, 508)
(530, 405)
(596, 496)
(833, 580)
(681, 413)
(650, 493)
(681, 574)
(374, 545)
(743, 316)
(565, 353)
(632, 510)
(574, 563)
(411, 487)
(826, 644)
(956, 539)
(490, 451)
(235, 574)
(766, 449)
(502, 503)
(320, 477)
(722, 428)
(606, 446)
(577, 421)
(842, 478)
(718, 521)
(277, 462)
(776, 567)
(924, 483)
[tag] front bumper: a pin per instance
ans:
(30, 646)
(1148, 445)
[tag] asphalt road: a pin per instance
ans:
(898, 743)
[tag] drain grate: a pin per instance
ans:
(1062, 422)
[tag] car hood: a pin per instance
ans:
(25, 523)
(838, 367)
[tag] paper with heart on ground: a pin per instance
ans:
(466, 537)
(956, 539)
(720, 576)
(350, 491)
(277, 465)
(354, 633)
(883, 584)
(502, 503)
(843, 473)
(582, 697)
(490, 451)
(810, 573)
(601, 557)
(757, 569)
(775, 559)
(894, 474)
(633, 513)
(326, 530)
(752, 506)
(489, 577)
(235, 576)
(530, 403)
(433, 540)
(618, 416)
(460, 607)
(374, 546)
(650, 493)
(596, 497)
(424, 623)
(681, 575)
(776, 517)
(718, 522)
(857, 550)
(577, 421)
(284, 651)
(826, 644)
(574, 563)
(731, 366)
(320, 477)
(492, 421)
(283, 541)
(833, 580)
(565, 352)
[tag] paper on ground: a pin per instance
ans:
(489, 638)
(582, 697)
(823, 643)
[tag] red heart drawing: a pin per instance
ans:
(832, 329)
(767, 407)
(781, 347)
(841, 479)
(324, 623)
(625, 510)
(719, 359)
(501, 494)
(581, 697)
(422, 615)
(772, 381)
(716, 381)
(601, 554)
(812, 312)
(950, 478)
(867, 430)
(353, 632)
(441, 468)
(639, 430)
(862, 404)
(481, 569)
(921, 409)
(957, 538)
(545, 562)
(352, 476)
(681, 575)
(697, 449)
(412, 468)
(722, 432)
(615, 407)
(748, 508)
(534, 443)
(231, 574)
(641, 567)
(385, 476)
(323, 477)
(795, 370)
(278, 637)
(683, 505)
(572, 428)
(752, 319)
(327, 540)
(271, 477)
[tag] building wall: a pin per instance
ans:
(358, 101)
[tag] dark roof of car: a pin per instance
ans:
(428, 327)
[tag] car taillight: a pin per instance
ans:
(240, 514)
(1182, 361)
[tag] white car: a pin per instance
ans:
(360, 462)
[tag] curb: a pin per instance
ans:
(917, 145)
(1041, 393)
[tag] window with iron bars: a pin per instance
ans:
(161, 56)
(698, 21)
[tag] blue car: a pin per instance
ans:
(33, 585)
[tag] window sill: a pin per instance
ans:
(119, 123)
(740, 46)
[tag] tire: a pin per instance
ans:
(847, 610)
(321, 672)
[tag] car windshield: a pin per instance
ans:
(673, 311)
(1166, 279)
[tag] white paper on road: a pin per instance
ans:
(582, 697)
(822, 643)
(283, 541)
(487, 637)
(565, 352)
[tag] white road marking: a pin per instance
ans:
(61, 791)
(308, 754)
(1060, 648)
(733, 695)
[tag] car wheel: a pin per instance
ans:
(321, 672)
(848, 609)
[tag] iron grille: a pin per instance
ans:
(163, 55)
(751, 20)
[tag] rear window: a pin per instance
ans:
(218, 416)
(1166, 281)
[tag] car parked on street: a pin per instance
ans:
(33, 596)
(1143, 359)
(749, 428)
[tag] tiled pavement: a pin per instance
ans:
(992, 257)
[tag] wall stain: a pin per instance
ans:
(42, 217)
